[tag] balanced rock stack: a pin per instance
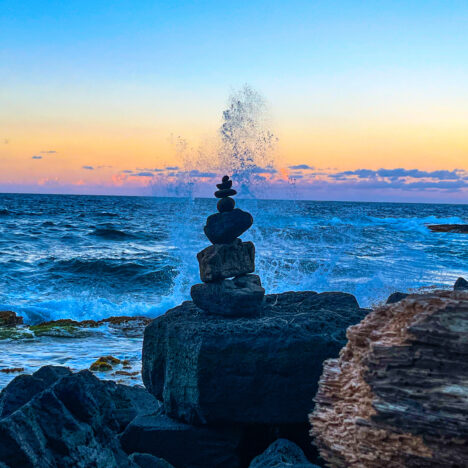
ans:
(228, 257)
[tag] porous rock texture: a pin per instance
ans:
(398, 394)
(221, 261)
(73, 422)
(251, 370)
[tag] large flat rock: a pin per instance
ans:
(261, 369)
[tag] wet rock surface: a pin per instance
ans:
(456, 228)
(262, 369)
(397, 394)
(221, 261)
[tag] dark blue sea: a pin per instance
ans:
(86, 257)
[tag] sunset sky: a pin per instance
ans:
(368, 99)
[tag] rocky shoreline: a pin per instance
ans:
(230, 377)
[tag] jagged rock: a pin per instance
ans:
(222, 261)
(460, 285)
(145, 460)
(224, 228)
(24, 387)
(9, 319)
(457, 228)
(238, 297)
(282, 454)
(260, 369)
(396, 297)
(181, 444)
(397, 395)
(73, 422)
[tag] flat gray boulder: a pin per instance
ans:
(253, 370)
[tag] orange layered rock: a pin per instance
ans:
(397, 396)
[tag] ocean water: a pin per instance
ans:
(86, 257)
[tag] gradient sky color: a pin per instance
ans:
(90, 90)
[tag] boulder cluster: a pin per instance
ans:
(229, 288)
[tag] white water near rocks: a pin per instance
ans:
(95, 257)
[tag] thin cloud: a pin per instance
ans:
(48, 152)
(172, 168)
(88, 168)
(36, 157)
(302, 167)
(144, 174)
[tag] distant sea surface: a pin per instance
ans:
(86, 257)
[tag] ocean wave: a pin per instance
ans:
(4, 212)
(111, 234)
(112, 270)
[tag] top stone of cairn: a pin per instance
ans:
(227, 225)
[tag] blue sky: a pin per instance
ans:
(350, 84)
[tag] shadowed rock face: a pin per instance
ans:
(398, 394)
(282, 454)
(461, 285)
(253, 370)
(73, 422)
(181, 444)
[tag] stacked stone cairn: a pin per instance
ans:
(228, 286)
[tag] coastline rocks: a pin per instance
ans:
(224, 228)
(222, 261)
(460, 285)
(397, 395)
(238, 297)
(456, 228)
(181, 444)
(250, 370)
(9, 319)
(396, 297)
(24, 387)
(281, 454)
(73, 422)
